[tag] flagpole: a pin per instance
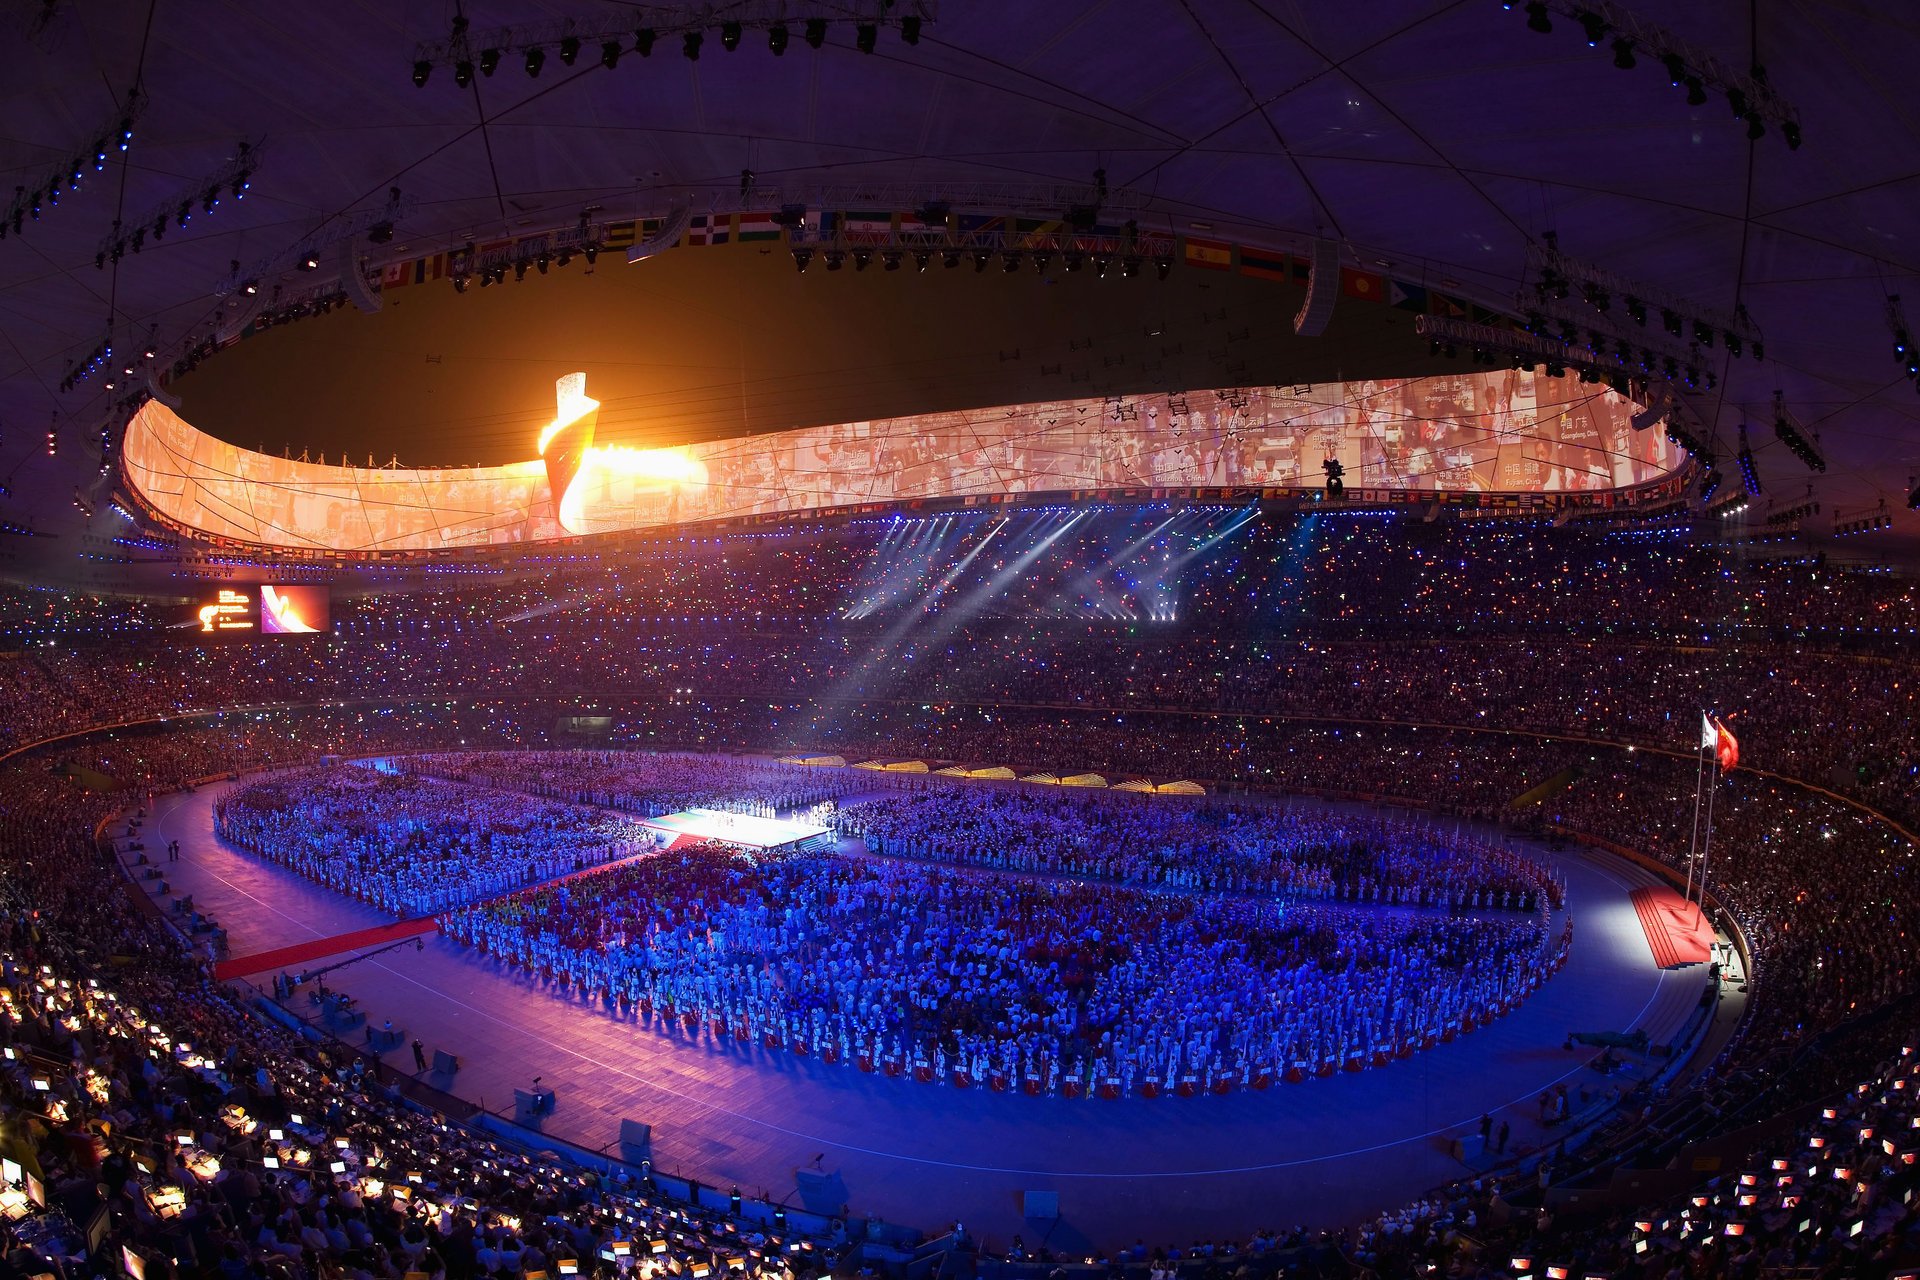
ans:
(1693, 836)
(1706, 850)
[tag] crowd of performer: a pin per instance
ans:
(1014, 981)
(412, 846)
(649, 783)
(1222, 847)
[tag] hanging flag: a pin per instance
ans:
(759, 226)
(1214, 255)
(396, 274)
(1263, 265)
(1709, 736)
(1362, 284)
(1407, 297)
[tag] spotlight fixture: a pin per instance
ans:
(542, 262)
(250, 288)
(1913, 498)
(309, 262)
(459, 284)
(126, 133)
(1595, 26)
(1636, 310)
(380, 233)
(890, 259)
(1162, 267)
(1737, 99)
(729, 36)
(950, 259)
(609, 54)
(816, 32)
(1676, 68)
(1130, 266)
(802, 258)
(865, 36)
(1790, 130)
(489, 61)
(1623, 53)
(643, 42)
(1749, 476)
(835, 259)
(462, 73)
(1537, 19)
(910, 28)
(1756, 127)
(1670, 321)
(921, 258)
(980, 259)
(861, 258)
(421, 71)
(690, 45)
(536, 58)
(520, 269)
(1010, 261)
(777, 39)
(1696, 92)
(569, 50)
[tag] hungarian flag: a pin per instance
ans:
(1726, 747)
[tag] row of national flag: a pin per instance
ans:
(1717, 738)
(876, 227)
(1367, 286)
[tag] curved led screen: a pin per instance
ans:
(1501, 432)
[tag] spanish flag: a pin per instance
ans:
(1214, 255)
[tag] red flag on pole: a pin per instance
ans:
(1726, 747)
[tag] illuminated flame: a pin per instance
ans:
(572, 403)
(285, 614)
(602, 465)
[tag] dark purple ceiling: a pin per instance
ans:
(1442, 136)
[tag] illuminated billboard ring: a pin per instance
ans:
(1507, 431)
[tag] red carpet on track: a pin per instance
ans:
(318, 948)
(1677, 932)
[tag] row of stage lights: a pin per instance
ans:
(1556, 285)
(1680, 75)
(28, 205)
(1011, 260)
(540, 262)
(180, 217)
(1875, 522)
(866, 38)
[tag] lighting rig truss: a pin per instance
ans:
(306, 254)
(115, 135)
(1558, 277)
(1604, 338)
(639, 28)
(1904, 349)
(1751, 97)
(232, 180)
(1099, 249)
(1876, 519)
(1793, 437)
(1491, 342)
(83, 367)
(1081, 205)
(539, 252)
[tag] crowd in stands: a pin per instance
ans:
(1018, 982)
(1562, 631)
(413, 846)
(1564, 634)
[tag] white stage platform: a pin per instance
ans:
(743, 829)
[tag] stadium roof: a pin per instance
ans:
(1437, 141)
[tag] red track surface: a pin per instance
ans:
(1677, 932)
(318, 948)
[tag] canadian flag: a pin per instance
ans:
(1726, 747)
